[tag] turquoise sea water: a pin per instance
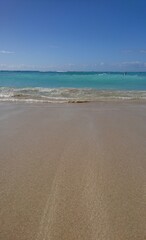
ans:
(71, 86)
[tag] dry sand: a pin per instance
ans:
(73, 171)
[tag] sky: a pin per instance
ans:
(73, 35)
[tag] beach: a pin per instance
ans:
(73, 171)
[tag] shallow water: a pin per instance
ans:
(71, 86)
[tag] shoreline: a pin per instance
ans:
(67, 95)
(42, 102)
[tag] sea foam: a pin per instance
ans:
(67, 95)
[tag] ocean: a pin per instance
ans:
(28, 86)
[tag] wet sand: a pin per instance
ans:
(73, 171)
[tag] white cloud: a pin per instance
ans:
(134, 51)
(133, 66)
(101, 63)
(143, 51)
(127, 51)
(2, 65)
(6, 52)
(132, 63)
(100, 66)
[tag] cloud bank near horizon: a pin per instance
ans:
(100, 66)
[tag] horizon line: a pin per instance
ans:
(77, 71)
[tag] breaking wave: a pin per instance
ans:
(68, 95)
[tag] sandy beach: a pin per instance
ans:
(73, 171)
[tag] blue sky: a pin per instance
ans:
(81, 35)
